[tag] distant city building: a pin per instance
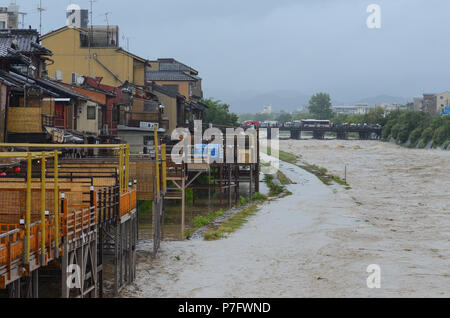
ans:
(442, 101)
(388, 108)
(418, 103)
(435, 103)
(429, 103)
(358, 109)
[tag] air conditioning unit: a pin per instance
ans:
(77, 79)
(59, 76)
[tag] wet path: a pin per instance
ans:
(314, 243)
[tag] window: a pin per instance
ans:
(91, 112)
(149, 140)
(150, 106)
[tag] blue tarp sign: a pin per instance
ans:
(212, 151)
(447, 110)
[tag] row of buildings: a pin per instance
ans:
(77, 84)
(433, 103)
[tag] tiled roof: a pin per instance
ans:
(27, 41)
(60, 90)
(168, 76)
(18, 81)
(173, 65)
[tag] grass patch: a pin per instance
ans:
(145, 206)
(289, 157)
(275, 189)
(284, 180)
(322, 173)
(232, 224)
(201, 221)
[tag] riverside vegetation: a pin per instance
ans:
(417, 129)
(412, 128)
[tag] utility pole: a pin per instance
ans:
(40, 9)
(91, 34)
(92, 13)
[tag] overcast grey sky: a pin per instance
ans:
(303, 45)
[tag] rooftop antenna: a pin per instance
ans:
(40, 9)
(92, 13)
(23, 14)
(128, 38)
(91, 34)
(106, 18)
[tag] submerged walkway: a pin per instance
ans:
(310, 244)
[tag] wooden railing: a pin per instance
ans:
(12, 240)
(79, 223)
(127, 202)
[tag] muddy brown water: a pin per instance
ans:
(320, 241)
(200, 206)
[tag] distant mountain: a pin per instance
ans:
(286, 100)
(291, 100)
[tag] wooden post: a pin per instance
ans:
(229, 185)
(221, 184)
(56, 203)
(121, 179)
(43, 166)
(28, 209)
(183, 206)
(158, 181)
(251, 181)
(127, 166)
(164, 168)
(258, 158)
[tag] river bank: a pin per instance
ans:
(319, 241)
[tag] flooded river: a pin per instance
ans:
(319, 241)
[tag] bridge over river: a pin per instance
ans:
(342, 131)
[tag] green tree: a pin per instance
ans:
(375, 116)
(300, 116)
(284, 117)
(320, 106)
(218, 113)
